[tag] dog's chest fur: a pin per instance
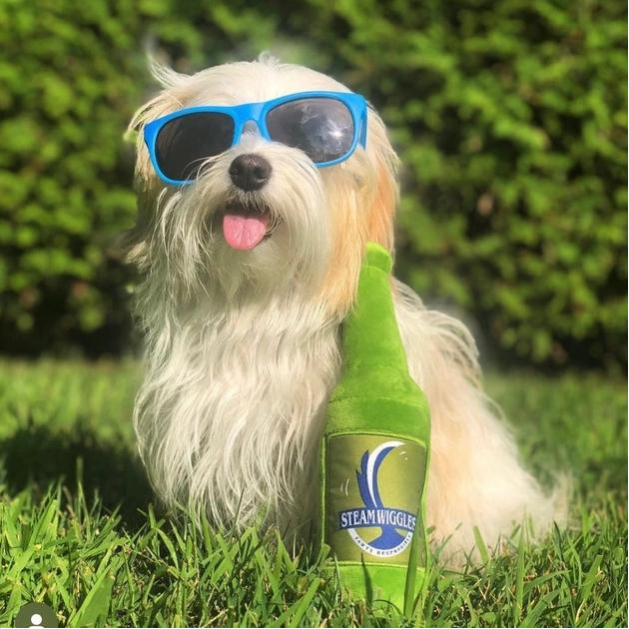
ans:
(241, 397)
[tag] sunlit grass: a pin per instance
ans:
(78, 529)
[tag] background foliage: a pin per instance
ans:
(509, 115)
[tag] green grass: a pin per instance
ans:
(78, 530)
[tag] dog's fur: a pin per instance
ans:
(243, 346)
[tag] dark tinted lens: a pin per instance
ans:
(183, 144)
(321, 127)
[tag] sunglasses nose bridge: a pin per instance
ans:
(252, 126)
(250, 121)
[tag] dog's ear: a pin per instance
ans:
(362, 214)
(384, 195)
(133, 244)
(166, 101)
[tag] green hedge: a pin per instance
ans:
(510, 118)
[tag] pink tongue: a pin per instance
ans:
(244, 232)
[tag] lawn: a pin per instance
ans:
(79, 531)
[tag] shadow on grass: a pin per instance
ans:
(36, 458)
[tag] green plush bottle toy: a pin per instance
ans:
(374, 454)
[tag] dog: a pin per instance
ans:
(249, 268)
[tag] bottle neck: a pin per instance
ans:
(370, 331)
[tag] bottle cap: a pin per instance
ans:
(376, 255)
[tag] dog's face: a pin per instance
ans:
(261, 215)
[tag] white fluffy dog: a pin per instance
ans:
(243, 345)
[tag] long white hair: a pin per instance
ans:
(242, 348)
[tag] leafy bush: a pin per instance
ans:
(509, 116)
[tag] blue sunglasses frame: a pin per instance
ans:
(257, 112)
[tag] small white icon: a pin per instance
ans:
(36, 619)
(36, 616)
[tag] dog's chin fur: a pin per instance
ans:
(243, 346)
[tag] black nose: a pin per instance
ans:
(250, 171)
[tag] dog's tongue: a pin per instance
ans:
(244, 232)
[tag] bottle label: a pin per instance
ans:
(374, 487)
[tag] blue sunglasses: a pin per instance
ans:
(327, 126)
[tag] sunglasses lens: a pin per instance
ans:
(321, 127)
(184, 143)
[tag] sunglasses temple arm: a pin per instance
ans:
(363, 130)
